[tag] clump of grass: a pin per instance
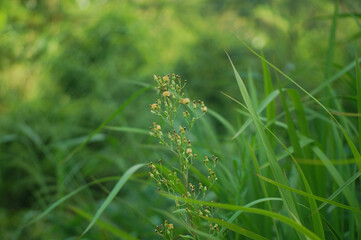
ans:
(174, 133)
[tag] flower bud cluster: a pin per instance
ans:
(156, 130)
(165, 230)
(171, 98)
(166, 180)
(169, 101)
(211, 165)
(213, 228)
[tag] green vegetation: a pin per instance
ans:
(273, 151)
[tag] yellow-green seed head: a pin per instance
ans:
(166, 94)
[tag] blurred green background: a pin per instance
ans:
(66, 65)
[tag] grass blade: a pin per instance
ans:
(276, 168)
(271, 106)
(262, 106)
(235, 228)
(358, 91)
(66, 197)
(352, 146)
(267, 199)
(264, 189)
(113, 193)
(300, 113)
(288, 221)
(351, 198)
(333, 78)
(127, 129)
(340, 190)
(316, 219)
(349, 195)
(252, 88)
(337, 204)
(104, 225)
(298, 153)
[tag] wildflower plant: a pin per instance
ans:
(174, 133)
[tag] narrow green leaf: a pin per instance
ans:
(332, 229)
(349, 195)
(334, 77)
(316, 219)
(235, 228)
(268, 89)
(337, 204)
(127, 129)
(113, 193)
(276, 169)
(358, 91)
(288, 221)
(267, 199)
(352, 146)
(263, 186)
(341, 189)
(66, 197)
(252, 87)
(262, 106)
(298, 153)
(304, 142)
(300, 112)
(104, 225)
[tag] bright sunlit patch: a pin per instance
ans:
(83, 4)
(259, 42)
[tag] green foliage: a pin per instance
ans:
(75, 81)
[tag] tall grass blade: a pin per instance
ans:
(295, 142)
(267, 199)
(317, 219)
(104, 225)
(268, 89)
(349, 195)
(261, 107)
(127, 129)
(298, 153)
(351, 198)
(276, 168)
(263, 186)
(112, 194)
(334, 77)
(66, 197)
(337, 204)
(235, 228)
(300, 113)
(252, 87)
(358, 91)
(288, 221)
(341, 189)
(352, 146)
